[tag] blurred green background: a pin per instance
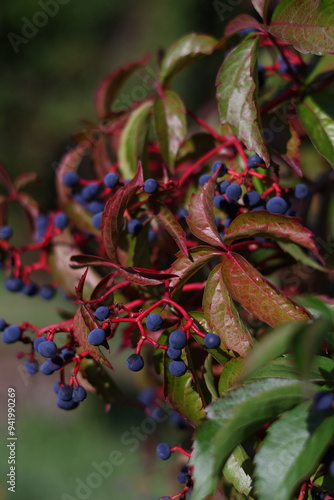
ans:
(47, 85)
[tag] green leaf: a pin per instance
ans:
(59, 259)
(323, 68)
(183, 52)
(222, 315)
(297, 253)
(236, 95)
(230, 375)
(114, 210)
(291, 451)
(267, 225)
(111, 84)
(133, 139)
(183, 395)
(237, 470)
(257, 295)
(170, 125)
(273, 345)
(185, 267)
(162, 213)
(201, 218)
(317, 116)
(305, 24)
(232, 419)
(84, 322)
(209, 378)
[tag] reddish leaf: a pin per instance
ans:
(267, 225)
(113, 213)
(76, 212)
(84, 322)
(170, 124)
(261, 6)
(79, 288)
(201, 218)
(241, 22)
(25, 178)
(135, 275)
(5, 180)
(291, 156)
(185, 51)
(185, 267)
(133, 139)
(222, 315)
(257, 295)
(236, 94)
(111, 84)
(167, 219)
(305, 24)
(59, 259)
(102, 287)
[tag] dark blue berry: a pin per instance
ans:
(56, 363)
(173, 353)
(11, 334)
(46, 369)
(47, 292)
(219, 201)
(42, 223)
(233, 192)
(164, 498)
(154, 322)
(251, 198)
(323, 400)
(38, 341)
(56, 387)
(65, 392)
(177, 368)
(97, 220)
(111, 180)
(222, 186)
(183, 477)
(211, 341)
(219, 165)
(135, 362)
(97, 336)
(178, 421)
(61, 220)
(31, 367)
(146, 396)
(301, 191)
(177, 339)
(70, 179)
(96, 206)
(163, 451)
(48, 349)
(3, 324)
(6, 232)
(150, 186)
(331, 468)
(67, 353)
(203, 179)
(66, 405)
(182, 213)
(91, 191)
(30, 289)
(79, 394)
(134, 226)
(227, 222)
(102, 313)
(255, 161)
(13, 284)
(152, 235)
(277, 205)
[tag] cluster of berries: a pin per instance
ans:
(164, 452)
